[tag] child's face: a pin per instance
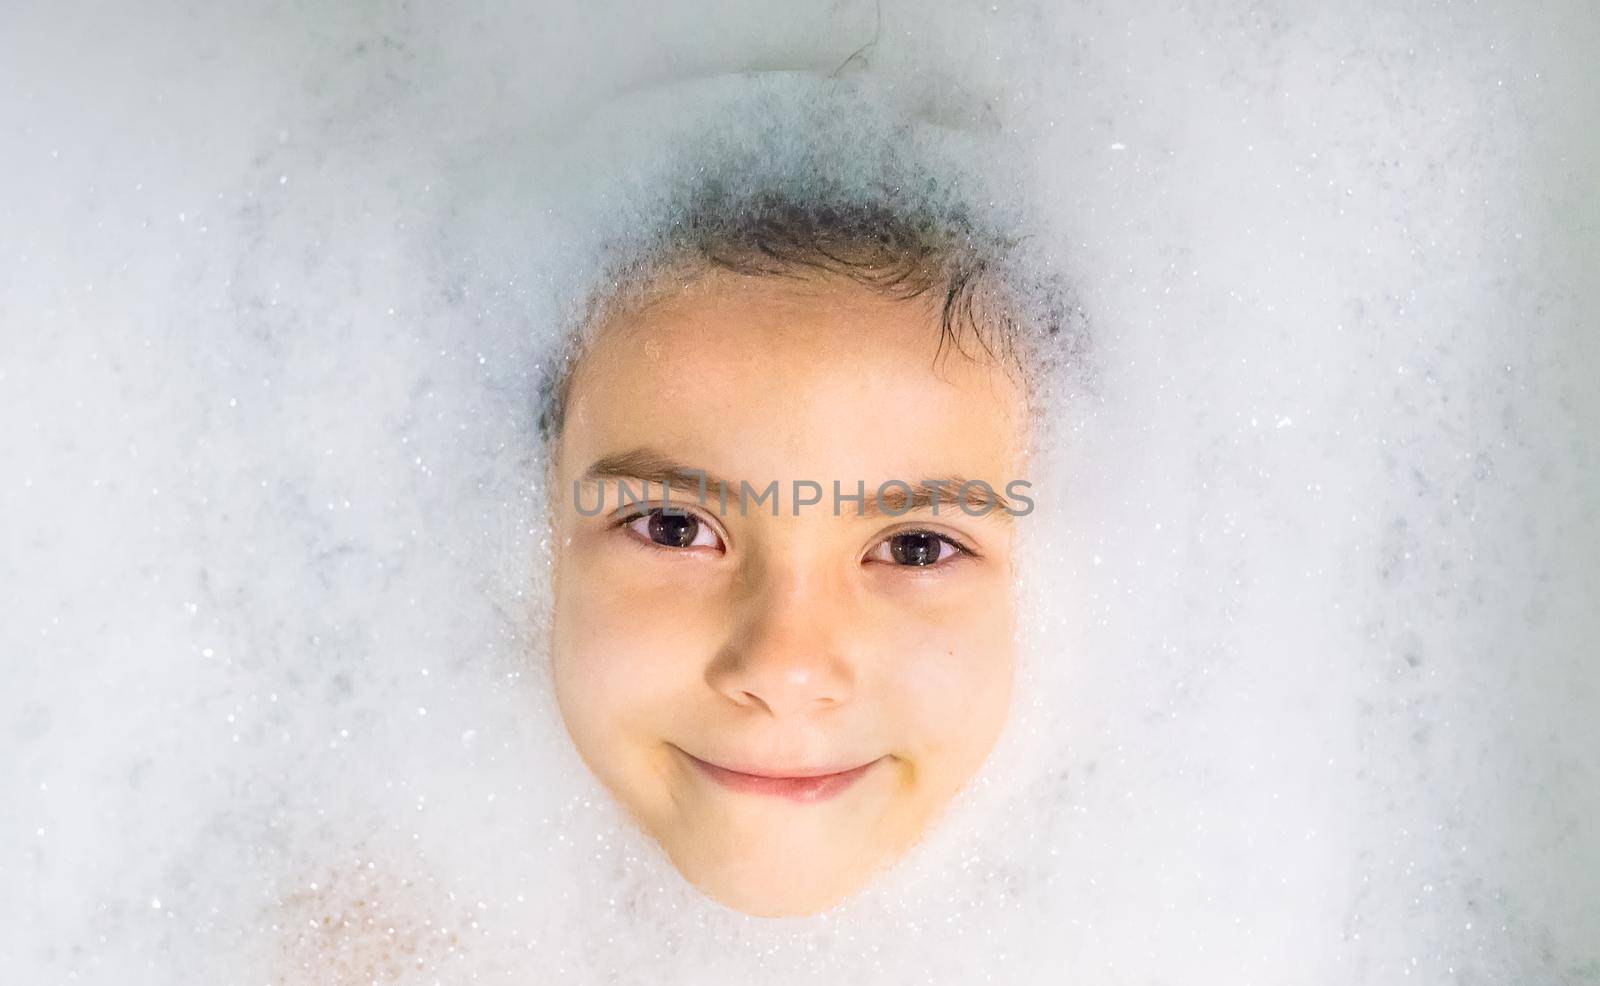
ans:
(694, 650)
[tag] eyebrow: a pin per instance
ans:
(650, 466)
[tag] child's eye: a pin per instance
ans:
(671, 527)
(918, 549)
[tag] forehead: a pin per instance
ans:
(773, 377)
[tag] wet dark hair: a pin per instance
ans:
(904, 249)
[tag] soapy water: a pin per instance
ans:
(1308, 691)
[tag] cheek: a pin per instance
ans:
(953, 674)
(622, 657)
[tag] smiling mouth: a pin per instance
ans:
(799, 785)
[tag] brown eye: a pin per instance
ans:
(916, 549)
(672, 528)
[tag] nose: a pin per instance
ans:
(788, 652)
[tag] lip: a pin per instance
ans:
(803, 785)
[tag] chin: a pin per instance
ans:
(767, 900)
(775, 891)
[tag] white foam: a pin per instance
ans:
(1310, 589)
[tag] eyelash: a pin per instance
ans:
(962, 550)
(622, 522)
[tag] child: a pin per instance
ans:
(788, 464)
(787, 443)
